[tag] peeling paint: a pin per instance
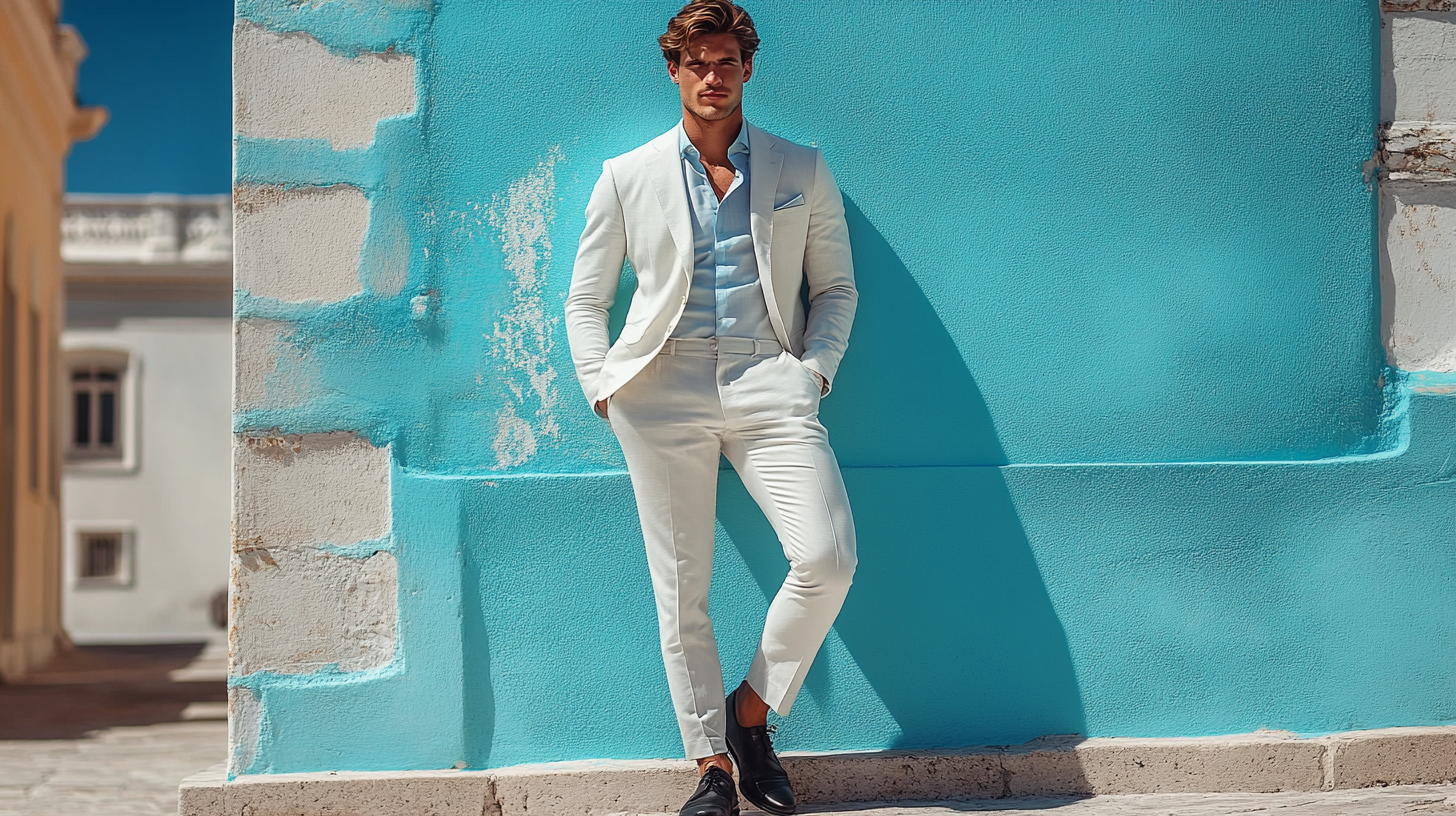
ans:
(1417, 5)
(244, 728)
(270, 369)
(1419, 151)
(522, 337)
(253, 559)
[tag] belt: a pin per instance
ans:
(711, 346)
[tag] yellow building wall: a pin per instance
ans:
(38, 122)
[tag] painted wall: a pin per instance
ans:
(1125, 453)
(39, 121)
(172, 491)
(149, 288)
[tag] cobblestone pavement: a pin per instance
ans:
(128, 770)
(100, 731)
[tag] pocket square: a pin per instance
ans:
(796, 201)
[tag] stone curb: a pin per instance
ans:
(1262, 762)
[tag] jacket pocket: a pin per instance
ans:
(796, 201)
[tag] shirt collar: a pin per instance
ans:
(685, 145)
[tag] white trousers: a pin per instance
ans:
(762, 413)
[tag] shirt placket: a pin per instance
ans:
(721, 269)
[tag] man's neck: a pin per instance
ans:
(712, 138)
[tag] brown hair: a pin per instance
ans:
(701, 17)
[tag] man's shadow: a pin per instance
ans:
(948, 618)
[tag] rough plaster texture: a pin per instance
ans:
(1421, 151)
(1418, 271)
(1260, 762)
(422, 793)
(290, 86)
(1419, 67)
(300, 245)
(268, 370)
(1252, 762)
(824, 778)
(308, 489)
(244, 724)
(596, 788)
(1143, 430)
(1070, 278)
(1392, 756)
(297, 611)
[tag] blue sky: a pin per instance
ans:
(163, 68)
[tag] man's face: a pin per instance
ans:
(710, 76)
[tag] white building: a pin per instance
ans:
(147, 349)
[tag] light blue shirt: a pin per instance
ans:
(726, 296)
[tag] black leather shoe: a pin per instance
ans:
(760, 776)
(714, 797)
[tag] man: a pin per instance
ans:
(723, 224)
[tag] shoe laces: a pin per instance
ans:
(719, 780)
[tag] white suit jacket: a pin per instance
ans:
(639, 211)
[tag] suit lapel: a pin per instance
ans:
(764, 165)
(672, 195)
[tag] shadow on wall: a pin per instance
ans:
(948, 619)
(949, 624)
(903, 395)
(478, 697)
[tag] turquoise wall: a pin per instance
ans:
(1124, 454)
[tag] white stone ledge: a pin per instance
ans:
(1257, 763)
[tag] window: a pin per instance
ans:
(103, 555)
(96, 396)
(100, 556)
(98, 413)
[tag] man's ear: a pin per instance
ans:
(672, 69)
(747, 68)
